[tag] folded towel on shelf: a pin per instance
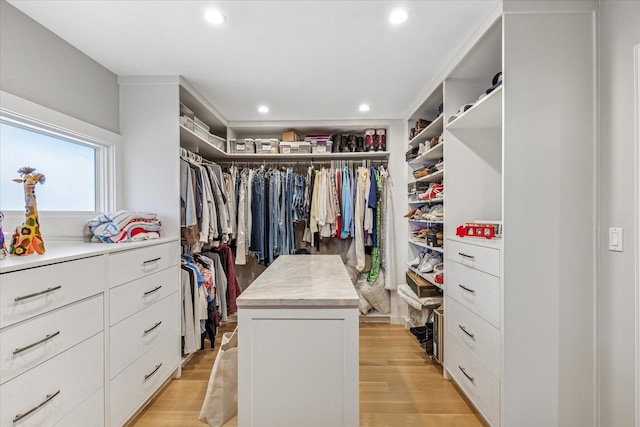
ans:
(110, 224)
(407, 294)
(125, 226)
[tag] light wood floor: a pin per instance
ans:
(399, 387)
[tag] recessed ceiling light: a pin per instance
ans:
(364, 107)
(263, 109)
(214, 17)
(398, 16)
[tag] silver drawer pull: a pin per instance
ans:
(27, 347)
(146, 377)
(473, 380)
(153, 327)
(156, 289)
(18, 417)
(467, 289)
(150, 261)
(466, 256)
(46, 291)
(466, 332)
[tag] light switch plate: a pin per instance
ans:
(615, 239)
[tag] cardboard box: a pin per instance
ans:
(421, 287)
(290, 136)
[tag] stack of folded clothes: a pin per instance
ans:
(125, 226)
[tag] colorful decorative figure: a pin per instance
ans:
(27, 238)
(3, 247)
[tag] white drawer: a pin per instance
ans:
(482, 388)
(139, 381)
(129, 265)
(477, 291)
(135, 335)
(75, 374)
(52, 333)
(478, 337)
(132, 297)
(474, 256)
(27, 293)
(90, 413)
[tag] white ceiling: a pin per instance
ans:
(306, 60)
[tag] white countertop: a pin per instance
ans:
(302, 281)
(60, 251)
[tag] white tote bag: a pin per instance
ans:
(221, 401)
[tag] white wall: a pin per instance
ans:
(619, 33)
(39, 66)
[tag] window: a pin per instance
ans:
(69, 168)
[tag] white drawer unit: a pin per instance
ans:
(34, 341)
(132, 264)
(135, 335)
(27, 293)
(478, 337)
(477, 291)
(475, 256)
(476, 381)
(132, 297)
(87, 414)
(133, 386)
(47, 393)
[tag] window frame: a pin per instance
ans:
(20, 112)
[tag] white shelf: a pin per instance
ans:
(434, 129)
(436, 176)
(425, 221)
(428, 201)
(424, 245)
(433, 153)
(296, 157)
(195, 143)
(485, 114)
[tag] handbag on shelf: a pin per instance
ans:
(221, 401)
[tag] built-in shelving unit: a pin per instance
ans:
(428, 155)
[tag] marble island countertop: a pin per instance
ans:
(302, 281)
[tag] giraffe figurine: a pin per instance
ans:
(27, 238)
(3, 247)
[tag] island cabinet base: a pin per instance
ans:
(298, 367)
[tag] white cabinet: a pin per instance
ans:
(473, 356)
(144, 347)
(59, 364)
(45, 349)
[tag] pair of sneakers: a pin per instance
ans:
(425, 262)
(435, 213)
(429, 260)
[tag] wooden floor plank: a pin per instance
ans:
(399, 387)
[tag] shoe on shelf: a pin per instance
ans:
(425, 259)
(411, 213)
(416, 261)
(427, 267)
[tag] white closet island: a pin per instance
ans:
(298, 345)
